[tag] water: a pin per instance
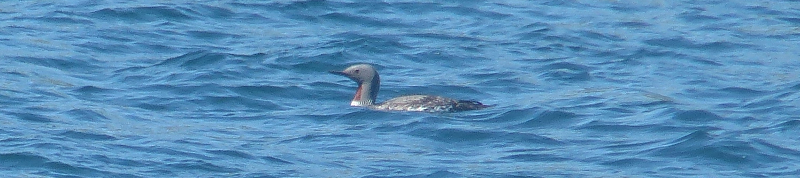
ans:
(240, 88)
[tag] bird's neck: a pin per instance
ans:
(366, 93)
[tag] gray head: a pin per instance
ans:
(359, 73)
(368, 83)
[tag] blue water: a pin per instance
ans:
(240, 89)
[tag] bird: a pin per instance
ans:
(369, 81)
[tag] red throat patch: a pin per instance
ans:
(358, 94)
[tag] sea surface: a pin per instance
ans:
(579, 88)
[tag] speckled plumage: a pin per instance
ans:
(369, 82)
(428, 103)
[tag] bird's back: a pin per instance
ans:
(428, 103)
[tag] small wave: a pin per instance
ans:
(141, 14)
(601, 36)
(516, 115)
(315, 137)
(73, 67)
(209, 11)
(162, 150)
(275, 160)
(788, 125)
(194, 60)
(274, 92)
(86, 115)
(455, 135)
(198, 165)
(631, 162)
(24, 160)
(92, 89)
(741, 91)
(87, 136)
(480, 137)
(773, 152)
(398, 174)
(548, 119)
(709, 148)
(633, 24)
(567, 71)
(681, 42)
(231, 153)
(533, 157)
(696, 16)
(210, 35)
(696, 116)
(536, 31)
(604, 126)
(692, 140)
(795, 87)
(31, 117)
(65, 20)
(338, 18)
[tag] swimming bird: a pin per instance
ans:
(369, 82)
